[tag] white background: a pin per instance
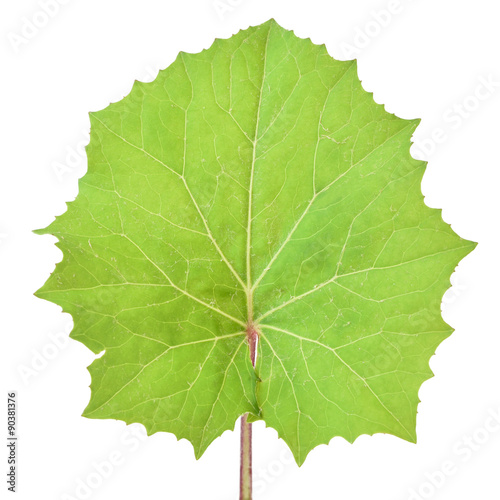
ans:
(421, 58)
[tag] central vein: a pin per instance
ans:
(251, 330)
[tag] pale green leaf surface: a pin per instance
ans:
(255, 182)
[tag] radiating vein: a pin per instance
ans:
(336, 277)
(149, 363)
(184, 292)
(311, 202)
(183, 179)
(356, 374)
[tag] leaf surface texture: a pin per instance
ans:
(255, 184)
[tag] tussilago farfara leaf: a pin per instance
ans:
(255, 189)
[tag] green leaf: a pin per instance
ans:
(255, 187)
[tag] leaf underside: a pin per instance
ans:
(255, 183)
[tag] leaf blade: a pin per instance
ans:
(255, 185)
